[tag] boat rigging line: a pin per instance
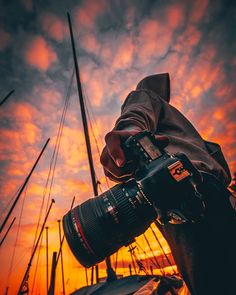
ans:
(53, 162)
(162, 249)
(13, 220)
(36, 267)
(16, 241)
(148, 257)
(62, 265)
(6, 97)
(24, 283)
(23, 186)
(161, 269)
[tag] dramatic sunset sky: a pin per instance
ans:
(119, 42)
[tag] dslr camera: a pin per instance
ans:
(164, 188)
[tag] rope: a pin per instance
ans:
(10, 201)
(53, 160)
(145, 253)
(163, 251)
(16, 240)
(93, 134)
(159, 266)
(36, 268)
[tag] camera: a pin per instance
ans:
(165, 187)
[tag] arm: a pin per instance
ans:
(139, 112)
(140, 109)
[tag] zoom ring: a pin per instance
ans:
(128, 214)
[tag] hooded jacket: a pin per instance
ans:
(148, 108)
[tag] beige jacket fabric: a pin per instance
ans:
(146, 109)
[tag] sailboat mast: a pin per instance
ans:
(51, 290)
(110, 272)
(83, 112)
(47, 256)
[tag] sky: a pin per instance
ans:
(118, 43)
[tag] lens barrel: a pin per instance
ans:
(100, 226)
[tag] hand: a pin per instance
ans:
(115, 165)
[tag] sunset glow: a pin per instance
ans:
(118, 44)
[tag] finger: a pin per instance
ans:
(111, 167)
(113, 142)
(116, 179)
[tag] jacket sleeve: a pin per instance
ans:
(141, 109)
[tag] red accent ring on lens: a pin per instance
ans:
(81, 232)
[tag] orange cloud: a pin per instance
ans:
(5, 39)
(124, 54)
(90, 43)
(175, 16)
(153, 41)
(86, 15)
(54, 26)
(198, 10)
(39, 54)
(188, 40)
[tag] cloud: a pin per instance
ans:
(54, 26)
(117, 49)
(124, 55)
(175, 16)
(28, 4)
(88, 12)
(39, 54)
(198, 10)
(90, 43)
(5, 39)
(153, 41)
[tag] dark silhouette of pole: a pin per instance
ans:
(83, 111)
(7, 231)
(53, 274)
(130, 270)
(163, 251)
(62, 266)
(96, 272)
(131, 249)
(47, 256)
(92, 270)
(6, 97)
(86, 275)
(110, 273)
(26, 276)
(158, 264)
(63, 238)
(22, 188)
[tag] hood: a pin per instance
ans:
(159, 83)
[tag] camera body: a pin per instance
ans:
(169, 181)
(164, 188)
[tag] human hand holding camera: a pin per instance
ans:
(117, 166)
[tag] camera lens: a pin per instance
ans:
(100, 226)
